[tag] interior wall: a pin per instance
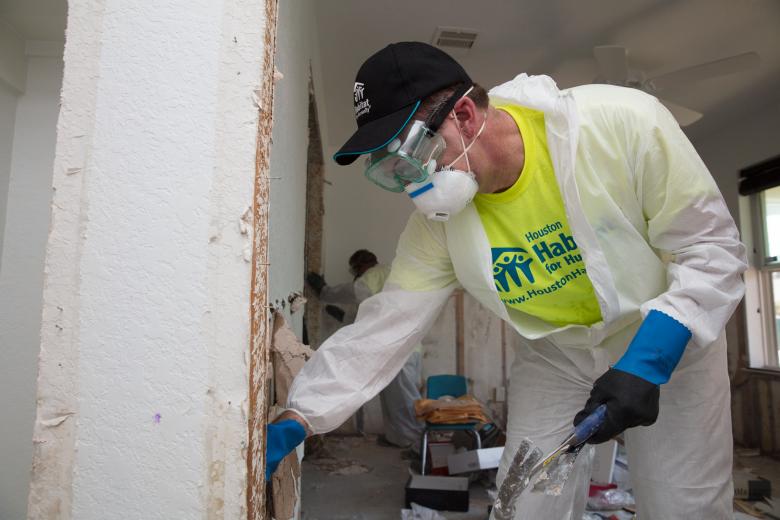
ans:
(143, 391)
(358, 215)
(296, 51)
(13, 75)
(21, 271)
(739, 143)
(7, 123)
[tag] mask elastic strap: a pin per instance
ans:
(463, 142)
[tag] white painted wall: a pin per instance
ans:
(13, 66)
(21, 273)
(7, 122)
(358, 215)
(143, 371)
(13, 75)
(740, 143)
(296, 50)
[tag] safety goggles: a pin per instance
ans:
(410, 157)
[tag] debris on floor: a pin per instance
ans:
(610, 499)
(747, 509)
(613, 497)
(418, 512)
(769, 507)
(376, 477)
(340, 466)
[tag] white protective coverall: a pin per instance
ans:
(398, 416)
(654, 232)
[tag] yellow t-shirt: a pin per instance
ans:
(537, 266)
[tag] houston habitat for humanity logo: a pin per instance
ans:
(511, 263)
(551, 250)
(362, 105)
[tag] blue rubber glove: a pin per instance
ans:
(656, 348)
(281, 438)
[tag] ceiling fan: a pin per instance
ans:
(612, 65)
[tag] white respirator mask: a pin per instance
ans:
(448, 191)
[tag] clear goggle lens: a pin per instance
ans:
(411, 157)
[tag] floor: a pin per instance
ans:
(356, 479)
(765, 467)
(353, 478)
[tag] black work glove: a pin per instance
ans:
(335, 312)
(631, 401)
(316, 281)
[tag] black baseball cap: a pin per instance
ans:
(389, 88)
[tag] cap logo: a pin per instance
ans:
(362, 106)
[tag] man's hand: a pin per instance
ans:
(316, 281)
(282, 436)
(631, 401)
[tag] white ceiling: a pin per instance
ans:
(556, 37)
(36, 19)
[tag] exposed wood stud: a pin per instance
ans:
(314, 217)
(259, 349)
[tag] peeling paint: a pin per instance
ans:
(55, 421)
(245, 221)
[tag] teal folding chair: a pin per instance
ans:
(436, 387)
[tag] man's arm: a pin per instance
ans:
(359, 360)
(688, 221)
(354, 364)
(689, 224)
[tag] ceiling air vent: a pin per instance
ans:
(454, 38)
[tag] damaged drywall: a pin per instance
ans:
(289, 356)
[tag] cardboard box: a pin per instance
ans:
(438, 453)
(440, 493)
(750, 487)
(474, 460)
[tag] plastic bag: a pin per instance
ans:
(610, 499)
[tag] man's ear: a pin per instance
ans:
(466, 113)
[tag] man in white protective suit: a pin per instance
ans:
(586, 220)
(401, 427)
